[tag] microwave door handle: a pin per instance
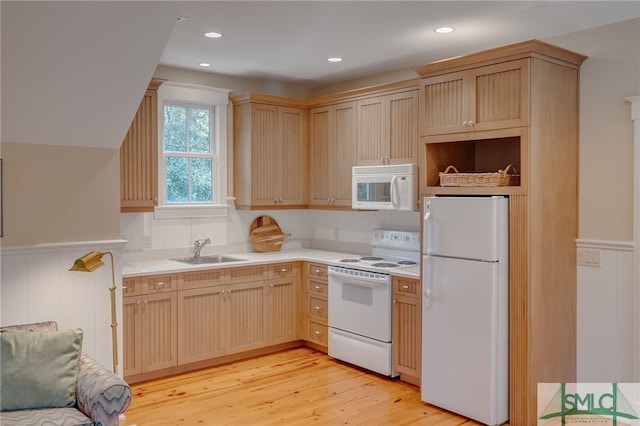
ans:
(392, 192)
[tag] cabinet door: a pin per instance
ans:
(403, 127)
(283, 310)
(320, 135)
(406, 335)
(373, 131)
(265, 154)
(444, 102)
(499, 96)
(159, 331)
(246, 316)
(131, 336)
(291, 167)
(342, 153)
(202, 324)
(139, 158)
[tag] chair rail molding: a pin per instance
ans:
(635, 116)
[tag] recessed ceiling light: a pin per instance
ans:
(213, 35)
(444, 30)
(204, 64)
(335, 59)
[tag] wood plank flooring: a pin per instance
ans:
(294, 387)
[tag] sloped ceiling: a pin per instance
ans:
(73, 73)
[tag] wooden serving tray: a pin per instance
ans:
(265, 234)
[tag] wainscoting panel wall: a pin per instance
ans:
(605, 313)
(38, 286)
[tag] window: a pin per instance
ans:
(193, 153)
(190, 154)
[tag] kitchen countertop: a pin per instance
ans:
(165, 266)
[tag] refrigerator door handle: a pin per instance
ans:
(426, 231)
(427, 290)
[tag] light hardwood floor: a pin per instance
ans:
(295, 387)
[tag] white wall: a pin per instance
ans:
(37, 286)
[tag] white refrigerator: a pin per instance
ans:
(465, 276)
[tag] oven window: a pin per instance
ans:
(374, 191)
(357, 294)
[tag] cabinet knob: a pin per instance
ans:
(317, 272)
(318, 333)
(318, 308)
(317, 287)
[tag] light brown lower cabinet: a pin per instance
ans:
(150, 334)
(407, 328)
(203, 315)
(316, 306)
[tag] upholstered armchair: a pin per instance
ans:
(91, 394)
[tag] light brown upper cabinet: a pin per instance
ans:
(387, 130)
(332, 153)
(139, 156)
(270, 152)
(482, 98)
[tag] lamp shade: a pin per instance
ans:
(89, 262)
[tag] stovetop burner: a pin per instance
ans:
(407, 262)
(371, 258)
(349, 260)
(385, 265)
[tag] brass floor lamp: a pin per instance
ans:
(89, 263)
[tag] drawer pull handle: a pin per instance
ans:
(319, 308)
(406, 287)
(159, 284)
(318, 333)
(283, 270)
(317, 287)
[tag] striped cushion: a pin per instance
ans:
(45, 417)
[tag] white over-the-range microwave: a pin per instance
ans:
(385, 187)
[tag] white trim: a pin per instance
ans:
(190, 212)
(635, 116)
(68, 246)
(603, 244)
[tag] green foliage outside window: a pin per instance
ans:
(189, 154)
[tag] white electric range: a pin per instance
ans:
(360, 300)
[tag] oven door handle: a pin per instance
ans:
(363, 282)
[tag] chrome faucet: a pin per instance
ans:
(199, 245)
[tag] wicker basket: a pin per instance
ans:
(499, 178)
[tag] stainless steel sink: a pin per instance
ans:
(208, 259)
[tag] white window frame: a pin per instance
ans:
(202, 95)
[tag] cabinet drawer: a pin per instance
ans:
(131, 287)
(318, 308)
(317, 270)
(247, 274)
(159, 284)
(282, 270)
(318, 333)
(317, 288)
(201, 279)
(406, 287)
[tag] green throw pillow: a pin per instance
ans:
(39, 369)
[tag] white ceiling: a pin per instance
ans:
(73, 72)
(291, 41)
